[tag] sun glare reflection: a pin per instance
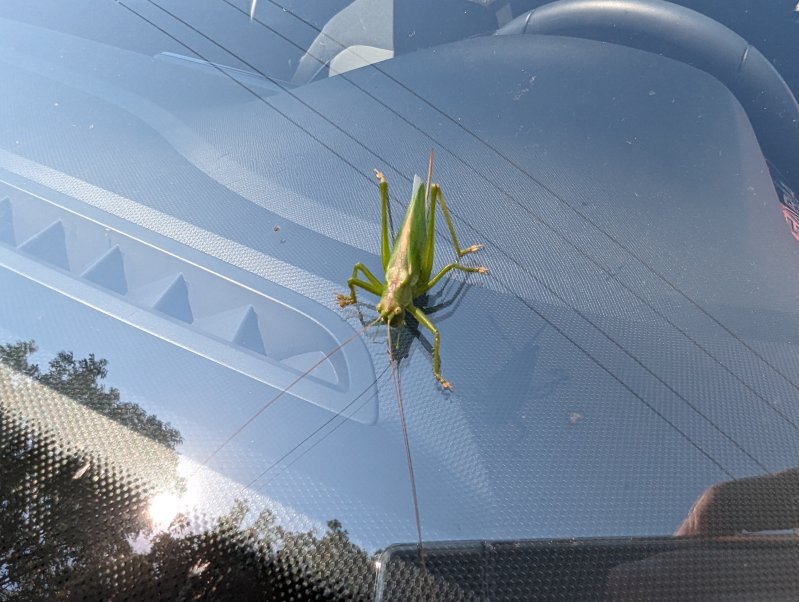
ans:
(163, 508)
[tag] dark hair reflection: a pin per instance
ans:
(723, 548)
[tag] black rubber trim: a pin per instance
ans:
(687, 36)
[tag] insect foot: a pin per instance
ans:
(482, 270)
(344, 300)
(444, 382)
(472, 249)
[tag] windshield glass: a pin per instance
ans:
(359, 296)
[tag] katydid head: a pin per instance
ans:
(391, 311)
(395, 298)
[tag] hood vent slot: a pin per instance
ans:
(174, 300)
(238, 325)
(49, 245)
(109, 271)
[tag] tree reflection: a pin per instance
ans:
(261, 561)
(76, 526)
(81, 380)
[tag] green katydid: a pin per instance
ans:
(409, 263)
(408, 266)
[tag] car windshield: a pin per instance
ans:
(358, 299)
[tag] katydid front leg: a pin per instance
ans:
(373, 285)
(425, 321)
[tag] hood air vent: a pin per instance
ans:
(259, 329)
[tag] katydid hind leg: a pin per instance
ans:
(449, 267)
(385, 247)
(429, 244)
(438, 195)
